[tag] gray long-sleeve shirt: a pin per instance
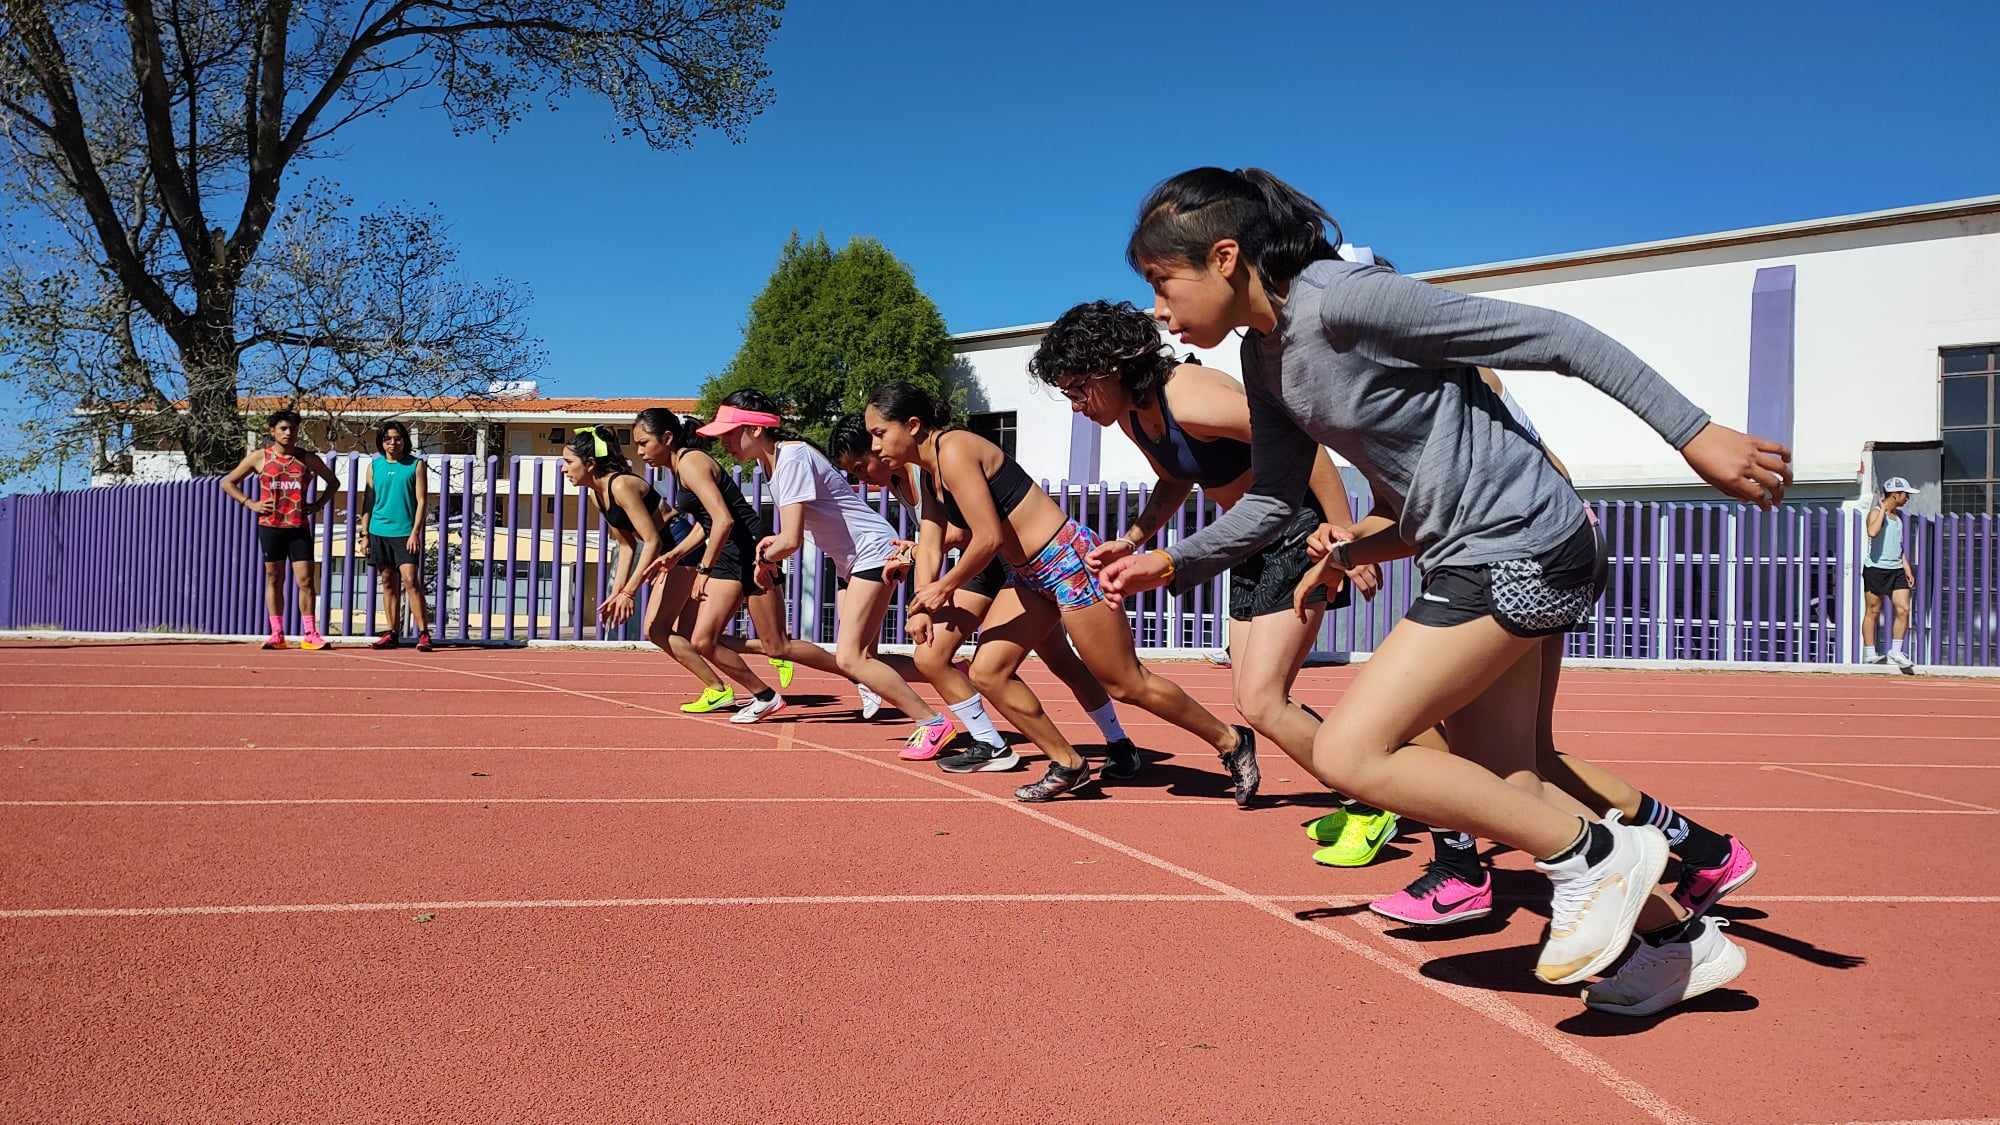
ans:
(1382, 369)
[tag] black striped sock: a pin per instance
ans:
(1694, 845)
(1458, 852)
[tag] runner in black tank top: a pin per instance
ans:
(939, 634)
(1045, 553)
(706, 577)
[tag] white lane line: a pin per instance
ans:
(1485, 1003)
(1180, 803)
(1838, 900)
(225, 909)
(432, 747)
(1883, 788)
(577, 904)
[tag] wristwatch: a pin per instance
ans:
(1343, 557)
(704, 571)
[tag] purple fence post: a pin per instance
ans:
(558, 519)
(580, 585)
(347, 568)
(535, 557)
(486, 555)
(513, 544)
(1774, 600)
(440, 593)
(464, 545)
(1990, 534)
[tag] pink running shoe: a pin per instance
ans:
(1702, 887)
(1439, 897)
(927, 740)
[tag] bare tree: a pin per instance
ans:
(130, 131)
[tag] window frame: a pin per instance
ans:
(1989, 431)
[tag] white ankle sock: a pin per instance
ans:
(978, 724)
(1896, 647)
(1106, 718)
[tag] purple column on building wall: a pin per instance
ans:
(1772, 316)
(1086, 440)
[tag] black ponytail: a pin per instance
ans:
(1280, 228)
(597, 447)
(904, 402)
(679, 432)
(849, 439)
(750, 398)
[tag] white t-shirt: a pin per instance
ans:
(846, 530)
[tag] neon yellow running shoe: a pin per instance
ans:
(784, 668)
(1326, 830)
(1361, 838)
(712, 699)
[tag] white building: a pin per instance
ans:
(1872, 329)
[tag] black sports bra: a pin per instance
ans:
(1009, 485)
(614, 512)
(1211, 463)
(748, 525)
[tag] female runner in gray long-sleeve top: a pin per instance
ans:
(1382, 369)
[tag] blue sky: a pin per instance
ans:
(1000, 149)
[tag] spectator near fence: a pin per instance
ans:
(284, 520)
(1886, 573)
(395, 487)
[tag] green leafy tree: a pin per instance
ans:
(830, 327)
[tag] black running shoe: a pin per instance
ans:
(1243, 772)
(980, 758)
(1055, 783)
(1122, 761)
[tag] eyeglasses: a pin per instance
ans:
(1079, 389)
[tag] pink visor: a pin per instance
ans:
(728, 418)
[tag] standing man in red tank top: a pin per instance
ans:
(284, 520)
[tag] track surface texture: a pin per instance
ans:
(521, 886)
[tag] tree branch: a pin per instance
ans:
(156, 112)
(51, 70)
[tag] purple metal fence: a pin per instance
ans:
(513, 552)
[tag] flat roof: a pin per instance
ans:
(1895, 216)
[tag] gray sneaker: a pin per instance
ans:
(1055, 783)
(1244, 773)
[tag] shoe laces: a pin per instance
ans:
(1436, 874)
(1571, 897)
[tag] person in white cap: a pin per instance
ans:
(1886, 573)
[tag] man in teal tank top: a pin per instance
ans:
(1886, 573)
(397, 490)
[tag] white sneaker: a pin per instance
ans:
(1593, 909)
(1660, 976)
(870, 701)
(1902, 661)
(759, 709)
(1877, 658)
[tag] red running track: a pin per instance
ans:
(519, 885)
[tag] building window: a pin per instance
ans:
(1968, 419)
(996, 427)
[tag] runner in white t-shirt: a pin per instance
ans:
(812, 496)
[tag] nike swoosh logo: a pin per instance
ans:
(1375, 837)
(1435, 598)
(1443, 907)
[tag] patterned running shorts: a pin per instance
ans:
(1536, 597)
(1058, 572)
